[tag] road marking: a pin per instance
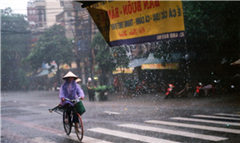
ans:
(223, 114)
(175, 132)
(234, 131)
(54, 131)
(216, 117)
(130, 136)
(206, 121)
(109, 112)
(8, 135)
(42, 140)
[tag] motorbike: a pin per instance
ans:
(170, 92)
(198, 92)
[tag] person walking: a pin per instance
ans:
(91, 92)
(116, 84)
(78, 80)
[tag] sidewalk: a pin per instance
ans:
(158, 99)
(115, 98)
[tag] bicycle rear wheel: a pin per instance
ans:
(67, 123)
(79, 128)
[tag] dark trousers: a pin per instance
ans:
(91, 94)
(170, 95)
(69, 109)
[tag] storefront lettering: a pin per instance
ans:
(132, 7)
(150, 4)
(113, 13)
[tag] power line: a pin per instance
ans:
(15, 32)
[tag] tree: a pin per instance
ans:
(103, 57)
(109, 58)
(51, 46)
(14, 47)
(210, 27)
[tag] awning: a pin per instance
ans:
(236, 62)
(156, 63)
(46, 70)
(67, 67)
(132, 64)
(136, 62)
(43, 72)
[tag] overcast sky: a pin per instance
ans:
(18, 6)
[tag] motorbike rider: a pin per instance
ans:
(170, 93)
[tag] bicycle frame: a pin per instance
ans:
(70, 116)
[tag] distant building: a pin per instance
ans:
(42, 14)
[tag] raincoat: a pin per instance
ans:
(70, 90)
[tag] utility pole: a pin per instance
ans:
(76, 23)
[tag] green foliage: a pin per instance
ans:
(102, 88)
(120, 56)
(212, 36)
(108, 58)
(103, 57)
(51, 46)
(212, 26)
(14, 47)
(98, 41)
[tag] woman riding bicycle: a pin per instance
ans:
(70, 90)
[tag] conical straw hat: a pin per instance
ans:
(78, 80)
(70, 74)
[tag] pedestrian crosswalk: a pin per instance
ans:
(202, 127)
(232, 115)
(206, 121)
(216, 127)
(130, 136)
(216, 117)
(174, 132)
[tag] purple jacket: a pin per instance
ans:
(70, 90)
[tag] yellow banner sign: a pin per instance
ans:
(167, 66)
(123, 70)
(132, 22)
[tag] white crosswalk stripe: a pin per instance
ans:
(206, 121)
(223, 114)
(216, 117)
(109, 112)
(178, 131)
(130, 136)
(175, 132)
(202, 127)
(86, 139)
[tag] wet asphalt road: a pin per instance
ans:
(25, 119)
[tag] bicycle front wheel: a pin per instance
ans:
(79, 128)
(67, 123)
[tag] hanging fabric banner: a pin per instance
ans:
(135, 22)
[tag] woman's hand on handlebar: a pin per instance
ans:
(63, 99)
(81, 98)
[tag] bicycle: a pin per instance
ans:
(70, 118)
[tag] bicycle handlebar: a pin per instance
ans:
(67, 99)
(75, 100)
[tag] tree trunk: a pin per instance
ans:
(58, 75)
